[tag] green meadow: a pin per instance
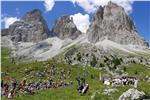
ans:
(96, 87)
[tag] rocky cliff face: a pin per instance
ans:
(65, 28)
(31, 28)
(4, 32)
(113, 23)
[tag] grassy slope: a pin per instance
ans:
(69, 93)
(5, 64)
(142, 71)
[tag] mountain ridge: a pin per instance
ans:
(66, 35)
(112, 22)
(31, 28)
(64, 27)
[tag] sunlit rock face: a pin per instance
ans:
(64, 27)
(112, 22)
(31, 28)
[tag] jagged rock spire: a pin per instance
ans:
(31, 28)
(112, 22)
(65, 28)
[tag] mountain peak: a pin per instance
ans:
(65, 28)
(33, 15)
(35, 11)
(66, 18)
(111, 4)
(31, 28)
(111, 21)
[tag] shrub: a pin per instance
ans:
(94, 61)
(79, 57)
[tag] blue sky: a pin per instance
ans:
(140, 12)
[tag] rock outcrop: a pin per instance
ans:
(31, 28)
(109, 91)
(65, 28)
(4, 32)
(113, 23)
(133, 94)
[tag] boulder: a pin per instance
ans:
(132, 94)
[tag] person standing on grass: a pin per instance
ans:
(9, 95)
(2, 83)
(78, 80)
(14, 84)
(135, 82)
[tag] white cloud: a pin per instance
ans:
(86, 5)
(81, 21)
(90, 6)
(49, 4)
(9, 20)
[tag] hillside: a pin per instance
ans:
(96, 87)
(108, 62)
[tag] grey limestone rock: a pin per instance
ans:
(31, 28)
(65, 28)
(112, 22)
(132, 94)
